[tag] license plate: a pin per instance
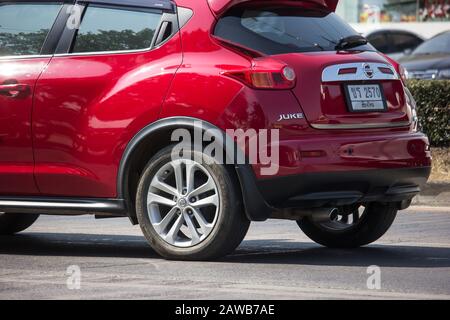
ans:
(365, 98)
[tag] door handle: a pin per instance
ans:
(14, 90)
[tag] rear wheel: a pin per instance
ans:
(11, 223)
(190, 210)
(351, 226)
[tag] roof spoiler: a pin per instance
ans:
(220, 6)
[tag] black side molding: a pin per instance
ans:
(256, 208)
(255, 205)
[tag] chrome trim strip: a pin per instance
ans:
(12, 203)
(25, 57)
(63, 206)
(155, 4)
(99, 53)
(331, 73)
(361, 125)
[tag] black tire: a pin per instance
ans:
(375, 222)
(231, 225)
(11, 223)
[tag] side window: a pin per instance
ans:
(24, 26)
(379, 41)
(404, 41)
(116, 29)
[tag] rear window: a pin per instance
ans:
(285, 30)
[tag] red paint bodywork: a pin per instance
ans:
(88, 107)
(16, 152)
(70, 141)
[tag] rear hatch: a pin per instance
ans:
(351, 88)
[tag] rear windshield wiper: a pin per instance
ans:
(351, 42)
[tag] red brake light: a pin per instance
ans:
(348, 71)
(266, 73)
(386, 70)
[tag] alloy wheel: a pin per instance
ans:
(183, 203)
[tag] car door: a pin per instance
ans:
(24, 28)
(106, 81)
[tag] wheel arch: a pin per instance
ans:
(157, 135)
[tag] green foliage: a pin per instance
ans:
(30, 43)
(113, 40)
(433, 108)
(23, 43)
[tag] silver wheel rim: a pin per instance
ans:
(183, 203)
(344, 220)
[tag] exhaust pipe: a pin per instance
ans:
(317, 215)
(325, 215)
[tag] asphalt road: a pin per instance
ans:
(276, 261)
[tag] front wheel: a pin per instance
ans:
(11, 223)
(351, 227)
(189, 210)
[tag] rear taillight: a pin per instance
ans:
(411, 103)
(403, 73)
(266, 73)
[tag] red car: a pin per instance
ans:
(93, 91)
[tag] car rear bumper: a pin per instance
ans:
(324, 152)
(263, 198)
(358, 169)
(342, 188)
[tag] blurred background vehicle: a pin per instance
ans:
(430, 60)
(399, 27)
(395, 43)
(425, 18)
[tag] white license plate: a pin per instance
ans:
(368, 98)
